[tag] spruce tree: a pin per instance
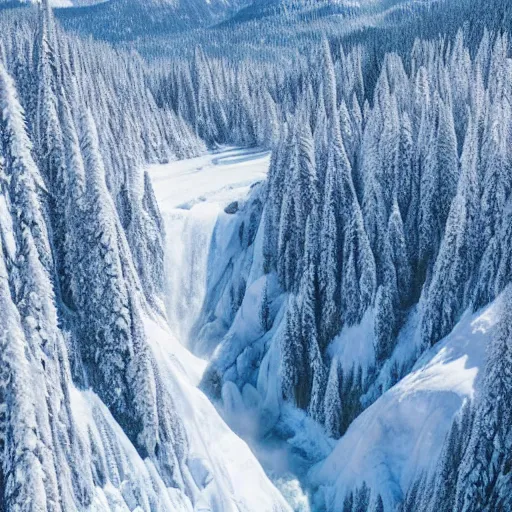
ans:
(294, 368)
(332, 401)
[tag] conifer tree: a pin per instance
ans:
(332, 401)
(265, 309)
(105, 296)
(446, 294)
(294, 370)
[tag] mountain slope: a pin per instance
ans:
(399, 438)
(122, 20)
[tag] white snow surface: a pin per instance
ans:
(402, 433)
(234, 479)
(227, 475)
(216, 178)
(354, 345)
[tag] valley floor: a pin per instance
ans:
(215, 178)
(193, 195)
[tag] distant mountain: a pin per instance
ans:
(54, 3)
(129, 19)
(120, 20)
(309, 9)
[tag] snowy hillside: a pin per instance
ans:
(399, 438)
(120, 20)
(100, 406)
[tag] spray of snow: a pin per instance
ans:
(192, 195)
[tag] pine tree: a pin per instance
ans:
(493, 210)
(265, 320)
(287, 246)
(384, 323)
(71, 206)
(275, 187)
(308, 324)
(321, 143)
(329, 242)
(348, 502)
(332, 401)
(329, 83)
(141, 375)
(503, 273)
(399, 256)
(305, 182)
(389, 146)
(350, 292)
(362, 499)
(104, 299)
(429, 236)
(359, 273)
(447, 162)
(29, 477)
(43, 350)
(374, 208)
(444, 495)
(289, 243)
(23, 478)
(378, 505)
(446, 294)
(294, 369)
(25, 179)
(404, 177)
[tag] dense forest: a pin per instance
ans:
(385, 219)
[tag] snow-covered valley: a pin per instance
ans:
(201, 200)
(255, 256)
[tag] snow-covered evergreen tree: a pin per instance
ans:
(332, 401)
(484, 476)
(294, 369)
